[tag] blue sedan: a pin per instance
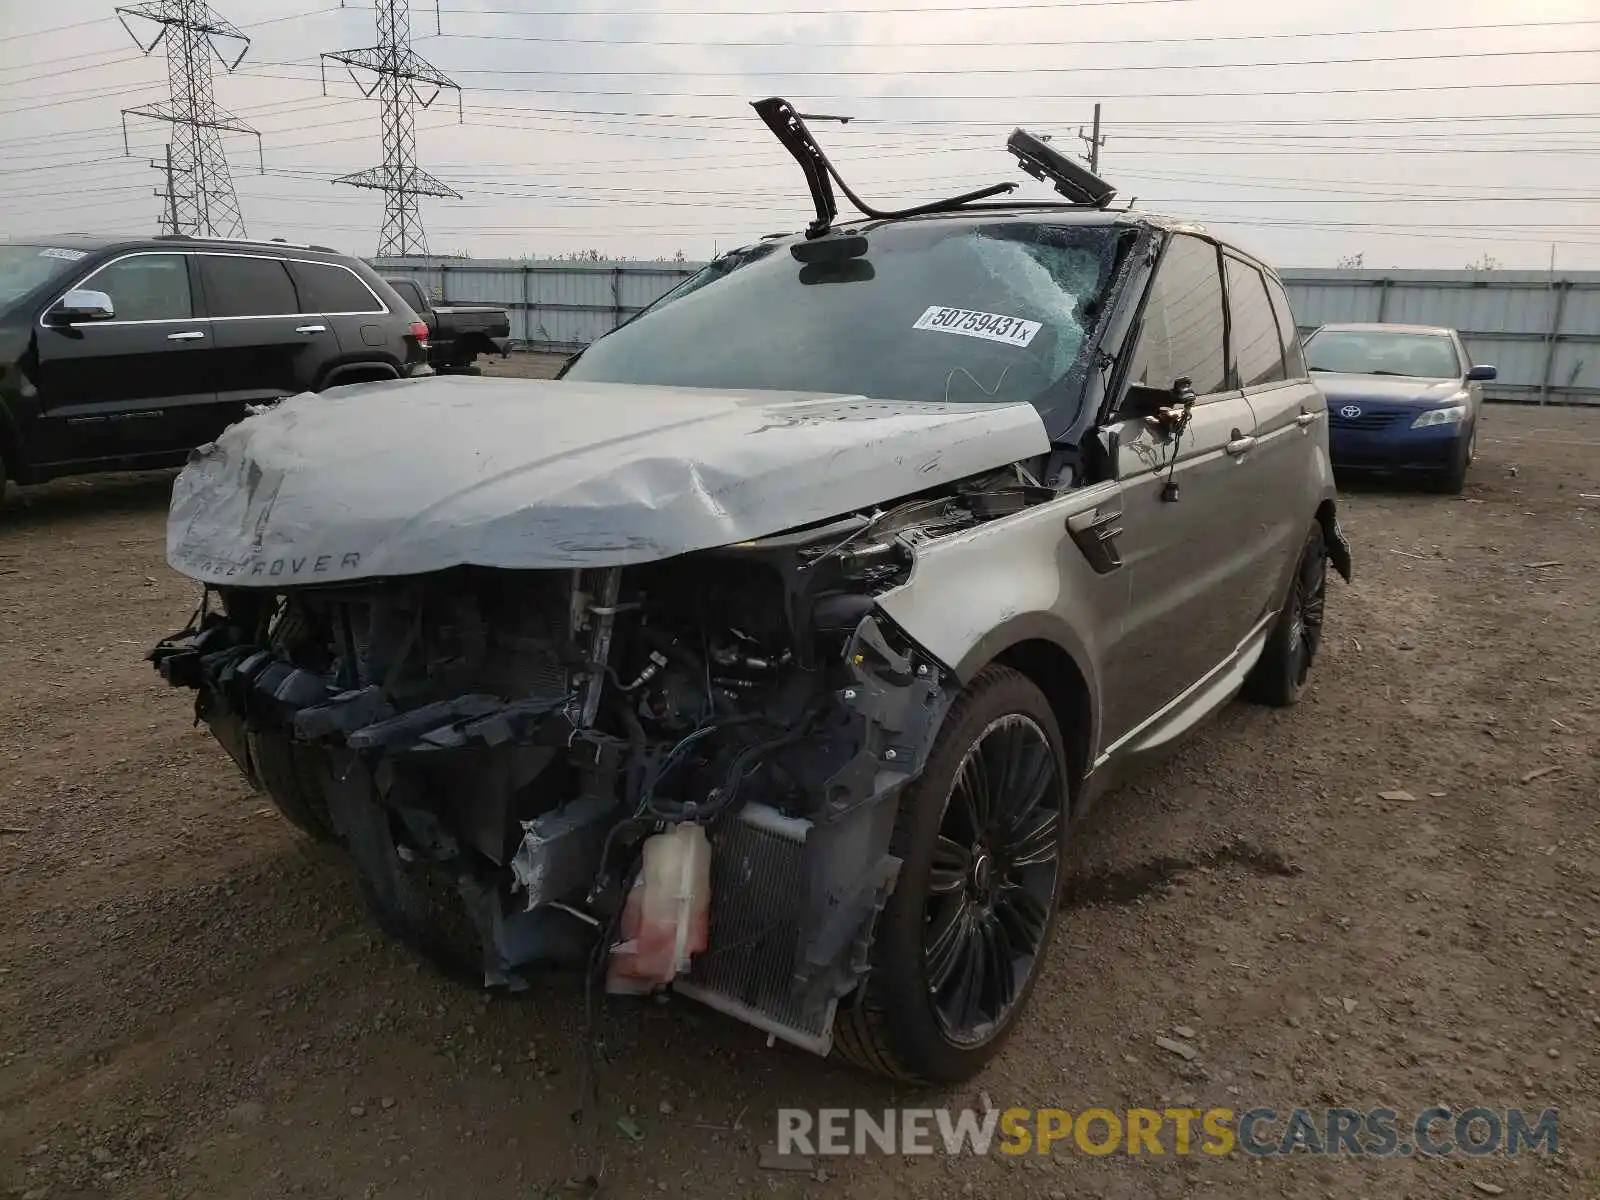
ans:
(1402, 399)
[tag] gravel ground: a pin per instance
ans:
(195, 1003)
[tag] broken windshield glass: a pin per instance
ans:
(993, 312)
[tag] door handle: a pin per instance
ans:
(1240, 445)
(192, 335)
(311, 329)
(1305, 419)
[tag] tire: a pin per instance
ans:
(1279, 677)
(291, 776)
(952, 908)
(413, 902)
(1452, 481)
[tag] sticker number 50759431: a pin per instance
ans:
(992, 327)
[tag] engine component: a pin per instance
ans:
(665, 920)
(560, 849)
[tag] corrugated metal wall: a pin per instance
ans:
(553, 305)
(1542, 331)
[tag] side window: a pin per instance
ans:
(1257, 352)
(1181, 336)
(146, 287)
(327, 288)
(1294, 357)
(411, 293)
(247, 287)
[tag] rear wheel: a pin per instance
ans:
(1280, 676)
(980, 836)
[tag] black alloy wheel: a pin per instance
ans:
(995, 875)
(1308, 603)
(1284, 668)
(981, 836)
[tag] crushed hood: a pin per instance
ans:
(421, 475)
(1386, 389)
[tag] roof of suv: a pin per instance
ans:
(92, 243)
(1044, 212)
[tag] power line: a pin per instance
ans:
(854, 11)
(808, 44)
(897, 72)
(13, 37)
(925, 98)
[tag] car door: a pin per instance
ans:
(1279, 492)
(348, 305)
(1186, 566)
(125, 388)
(267, 345)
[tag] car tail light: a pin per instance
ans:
(419, 330)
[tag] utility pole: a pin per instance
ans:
(401, 78)
(167, 195)
(1093, 141)
(200, 196)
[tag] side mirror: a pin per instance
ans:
(81, 305)
(1483, 373)
(1163, 409)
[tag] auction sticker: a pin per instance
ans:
(992, 327)
(69, 255)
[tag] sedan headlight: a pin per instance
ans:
(1452, 414)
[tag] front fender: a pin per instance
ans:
(974, 595)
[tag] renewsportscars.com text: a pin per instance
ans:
(1261, 1132)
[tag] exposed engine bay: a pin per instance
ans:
(503, 751)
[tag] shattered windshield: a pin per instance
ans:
(934, 311)
(23, 268)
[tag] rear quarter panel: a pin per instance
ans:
(1288, 480)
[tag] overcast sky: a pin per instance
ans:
(624, 125)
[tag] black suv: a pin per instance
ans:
(126, 353)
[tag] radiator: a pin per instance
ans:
(759, 894)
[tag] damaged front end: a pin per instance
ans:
(496, 747)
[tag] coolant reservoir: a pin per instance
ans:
(667, 914)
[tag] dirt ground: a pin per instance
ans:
(193, 1001)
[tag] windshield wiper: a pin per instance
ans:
(789, 127)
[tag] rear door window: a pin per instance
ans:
(411, 293)
(330, 288)
(1294, 357)
(240, 286)
(1181, 335)
(1257, 350)
(146, 287)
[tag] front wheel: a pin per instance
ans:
(1452, 481)
(980, 835)
(1280, 675)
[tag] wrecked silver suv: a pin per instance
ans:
(771, 652)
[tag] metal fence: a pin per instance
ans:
(1541, 330)
(553, 305)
